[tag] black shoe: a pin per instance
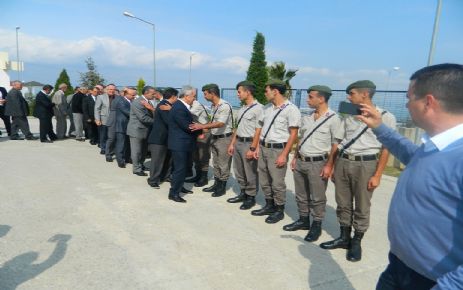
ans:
(248, 203)
(80, 139)
(315, 231)
(109, 159)
(240, 198)
(176, 198)
(167, 179)
(203, 180)
(269, 208)
(184, 190)
(212, 188)
(46, 141)
(154, 185)
(277, 216)
(31, 138)
(140, 173)
(144, 168)
(102, 152)
(16, 138)
(220, 189)
(303, 223)
(343, 242)
(121, 165)
(354, 254)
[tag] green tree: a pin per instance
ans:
(64, 79)
(91, 78)
(140, 85)
(278, 71)
(257, 72)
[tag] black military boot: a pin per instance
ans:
(239, 198)
(303, 223)
(213, 186)
(342, 242)
(315, 231)
(220, 189)
(354, 254)
(249, 202)
(269, 208)
(277, 216)
(202, 181)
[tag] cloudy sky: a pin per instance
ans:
(332, 42)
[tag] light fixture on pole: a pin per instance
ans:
(389, 73)
(18, 66)
(128, 14)
(189, 75)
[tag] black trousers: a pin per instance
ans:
(92, 131)
(122, 148)
(399, 276)
(111, 140)
(180, 163)
(6, 120)
(161, 163)
(20, 123)
(46, 129)
(103, 134)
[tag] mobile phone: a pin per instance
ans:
(349, 108)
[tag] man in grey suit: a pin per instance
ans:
(60, 110)
(140, 120)
(102, 104)
(111, 125)
(17, 108)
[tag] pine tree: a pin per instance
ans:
(91, 78)
(64, 79)
(140, 85)
(257, 71)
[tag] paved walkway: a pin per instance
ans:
(70, 220)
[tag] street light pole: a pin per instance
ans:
(189, 75)
(389, 73)
(128, 14)
(17, 54)
(434, 32)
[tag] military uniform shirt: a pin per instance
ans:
(200, 113)
(250, 120)
(367, 144)
(320, 142)
(290, 116)
(222, 113)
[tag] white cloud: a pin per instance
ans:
(111, 51)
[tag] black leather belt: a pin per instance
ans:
(360, 157)
(273, 145)
(221, 136)
(313, 158)
(244, 139)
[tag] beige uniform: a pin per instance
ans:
(275, 122)
(246, 169)
(310, 188)
(354, 168)
(221, 138)
(202, 153)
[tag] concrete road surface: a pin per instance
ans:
(71, 220)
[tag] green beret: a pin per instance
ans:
(209, 86)
(322, 89)
(365, 84)
(246, 84)
(274, 82)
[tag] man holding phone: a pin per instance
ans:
(359, 166)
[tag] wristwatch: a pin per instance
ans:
(252, 149)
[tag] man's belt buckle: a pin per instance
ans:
(351, 157)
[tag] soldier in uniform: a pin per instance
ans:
(316, 139)
(280, 122)
(221, 125)
(244, 142)
(202, 153)
(360, 162)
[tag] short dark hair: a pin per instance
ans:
(324, 95)
(47, 87)
(247, 87)
(280, 87)
(444, 82)
(213, 90)
(169, 93)
(146, 88)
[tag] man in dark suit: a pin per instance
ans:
(6, 119)
(181, 140)
(44, 111)
(122, 119)
(157, 139)
(17, 108)
(88, 108)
